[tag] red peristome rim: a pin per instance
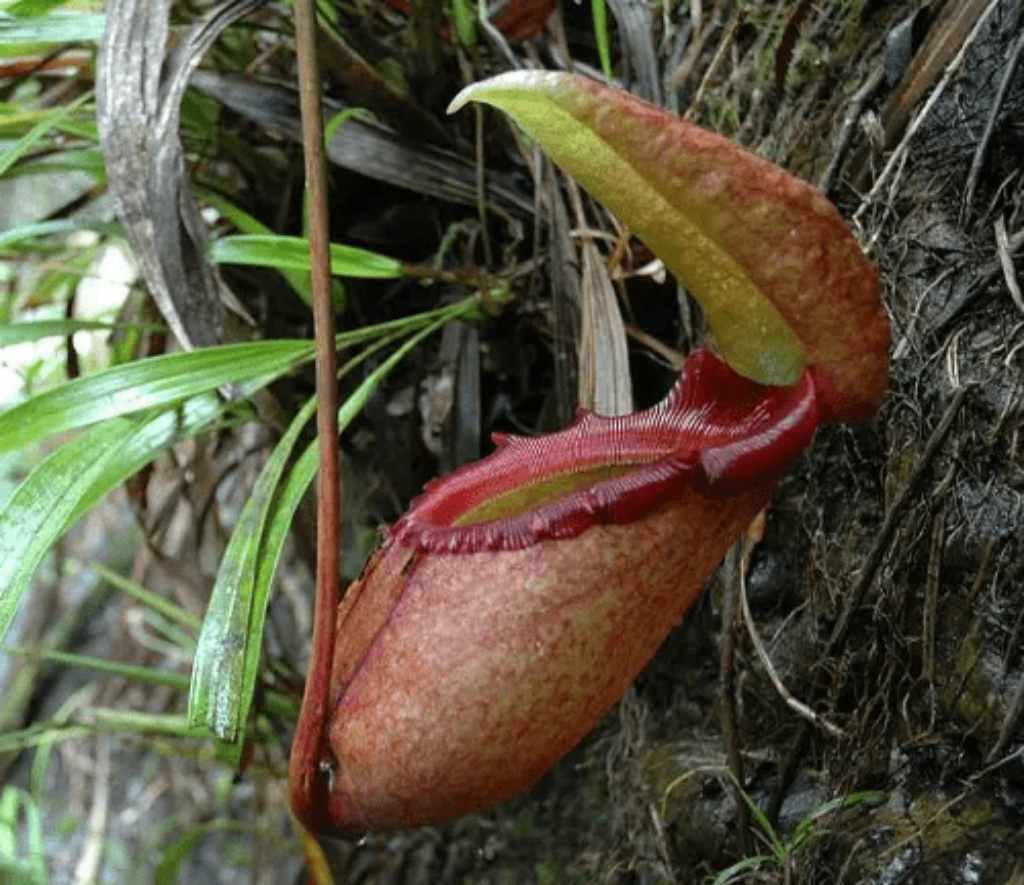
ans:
(716, 432)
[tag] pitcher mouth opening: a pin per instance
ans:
(716, 432)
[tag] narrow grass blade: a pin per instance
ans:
(604, 50)
(32, 8)
(21, 685)
(146, 675)
(761, 819)
(748, 863)
(168, 870)
(218, 699)
(151, 383)
(39, 734)
(806, 829)
(21, 825)
(170, 610)
(298, 280)
(21, 333)
(20, 234)
(40, 508)
(69, 267)
(227, 659)
(74, 479)
(84, 159)
(53, 28)
(93, 720)
(167, 380)
(292, 253)
(14, 151)
(149, 436)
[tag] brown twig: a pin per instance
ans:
(855, 598)
(892, 518)
(987, 274)
(309, 780)
(898, 156)
(850, 120)
(786, 47)
(1010, 720)
(797, 706)
(1006, 262)
(1009, 70)
(929, 620)
(697, 105)
(727, 692)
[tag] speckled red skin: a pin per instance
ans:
(791, 240)
(460, 677)
(491, 666)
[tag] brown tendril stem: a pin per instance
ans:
(309, 781)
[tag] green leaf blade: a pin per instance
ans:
(37, 330)
(74, 479)
(247, 224)
(153, 383)
(292, 254)
(42, 505)
(55, 27)
(227, 656)
(57, 118)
